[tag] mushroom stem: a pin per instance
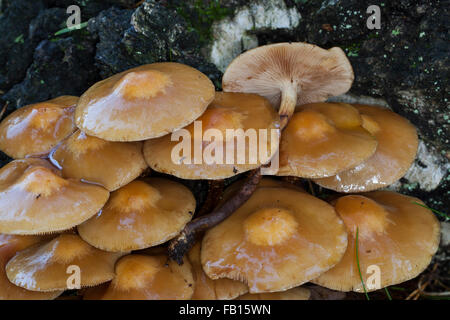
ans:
(215, 189)
(180, 245)
(287, 106)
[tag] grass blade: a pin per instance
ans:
(357, 263)
(446, 216)
(66, 30)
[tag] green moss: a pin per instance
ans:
(19, 39)
(201, 15)
(352, 50)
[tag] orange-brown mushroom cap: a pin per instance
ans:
(394, 234)
(298, 293)
(45, 267)
(209, 289)
(110, 164)
(34, 199)
(142, 277)
(144, 102)
(228, 111)
(396, 150)
(142, 214)
(290, 74)
(279, 239)
(35, 129)
(9, 246)
(323, 139)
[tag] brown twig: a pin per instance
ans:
(180, 245)
(215, 190)
(3, 110)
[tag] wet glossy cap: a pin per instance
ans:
(228, 111)
(314, 73)
(90, 159)
(35, 129)
(44, 267)
(297, 293)
(9, 246)
(279, 239)
(323, 139)
(142, 277)
(144, 102)
(142, 214)
(35, 199)
(396, 150)
(396, 238)
(208, 289)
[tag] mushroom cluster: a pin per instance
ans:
(97, 185)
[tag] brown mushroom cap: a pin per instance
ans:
(208, 289)
(290, 74)
(395, 234)
(140, 215)
(44, 267)
(297, 293)
(9, 246)
(35, 129)
(142, 277)
(110, 164)
(227, 111)
(34, 199)
(323, 139)
(144, 102)
(279, 239)
(396, 150)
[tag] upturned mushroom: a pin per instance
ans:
(279, 239)
(90, 159)
(290, 74)
(142, 214)
(397, 238)
(44, 267)
(209, 289)
(35, 129)
(143, 277)
(34, 199)
(9, 246)
(396, 150)
(144, 102)
(298, 293)
(219, 155)
(323, 139)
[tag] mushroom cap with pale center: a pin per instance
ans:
(297, 293)
(209, 289)
(279, 239)
(143, 277)
(396, 150)
(45, 267)
(35, 129)
(396, 236)
(315, 73)
(35, 199)
(91, 159)
(248, 113)
(9, 246)
(142, 214)
(144, 102)
(323, 139)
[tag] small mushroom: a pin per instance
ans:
(208, 289)
(45, 267)
(290, 74)
(323, 139)
(279, 239)
(110, 164)
(35, 129)
(9, 246)
(142, 214)
(297, 293)
(227, 111)
(143, 277)
(144, 102)
(395, 234)
(34, 199)
(396, 150)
